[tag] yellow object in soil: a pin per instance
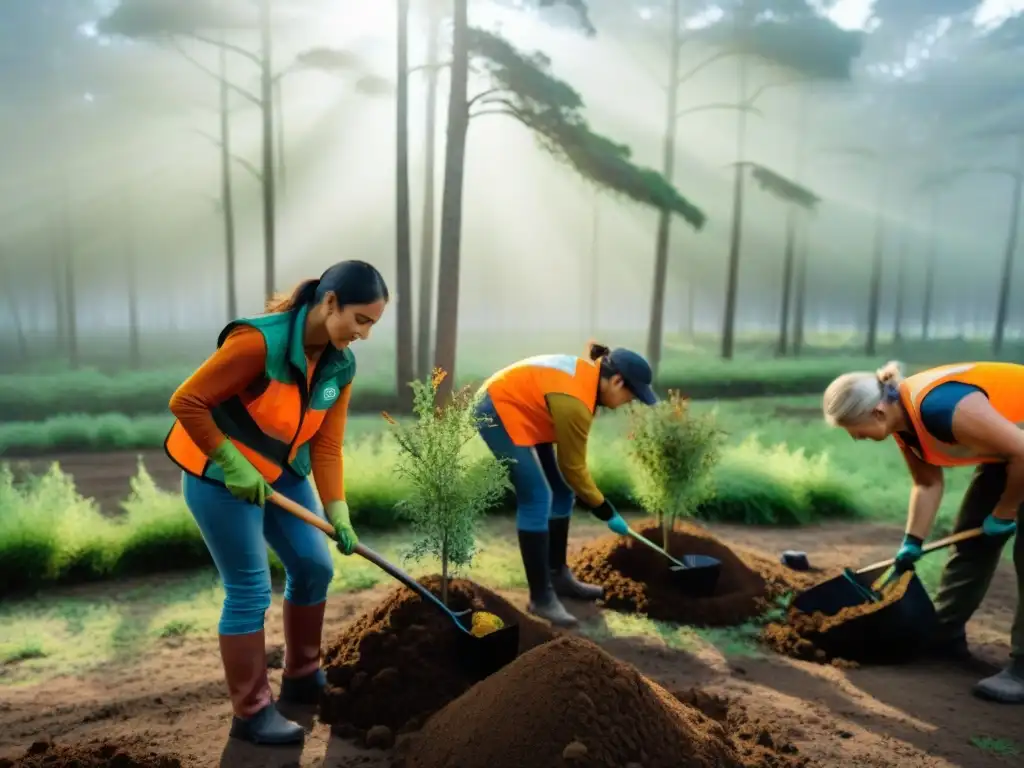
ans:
(485, 623)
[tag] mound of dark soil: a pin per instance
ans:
(636, 579)
(569, 703)
(100, 754)
(800, 633)
(397, 664)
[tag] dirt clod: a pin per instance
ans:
(634, 720)
(574, 750)
(397, 664)
(636, 579)
(100, 754)
(380, 737)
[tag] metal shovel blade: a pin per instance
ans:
(697, 576)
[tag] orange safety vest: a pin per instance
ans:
(273, 420)
(1002, 383)
(519, 393)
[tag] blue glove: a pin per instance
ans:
(909, 553)
(998, 526)
(619, 525)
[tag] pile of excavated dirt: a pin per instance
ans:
(568, 704)
(397, 664)
(636, 579)
(101, 754)
(798, 636)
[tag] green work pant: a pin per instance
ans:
(972, 564)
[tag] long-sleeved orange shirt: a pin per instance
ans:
(239, 361)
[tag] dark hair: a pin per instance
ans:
(353, 282)
(600, 352)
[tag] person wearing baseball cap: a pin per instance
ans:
(537, 414)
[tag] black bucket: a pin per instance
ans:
(481, 657)
(894, 634)
(699, 577)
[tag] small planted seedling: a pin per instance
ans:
(449, 489)
(674, 452)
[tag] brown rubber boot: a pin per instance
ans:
(303, 678)
(245, 669)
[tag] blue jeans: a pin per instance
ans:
(541, 491)
(237, 534)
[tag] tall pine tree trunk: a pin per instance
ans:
(267, 166)
(132, 275)
(930, 267)
(226, 195)
(424, 346)
(800, 310)
(451, 205)
(735, 244)
(656, 323)
(787, 280)
(901, 287)
(1011, 251)
(404, 353)
(875, 288)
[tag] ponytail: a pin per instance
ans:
(303, 294)
(596, 351)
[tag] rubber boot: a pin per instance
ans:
(562, 579)
(256, 718)
(1007, 687)
(303, 679)
(533, 545)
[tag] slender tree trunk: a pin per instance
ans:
(282, 162)
(800, 310)
(57, 282)
(428, 274)
(132, 275)
(405, 359)
(732, 282)
(901, 287)
(67, 245)
(1011, 252)
(787, 280)
(267, 170)
(656, 324)
(930, 267)
(451, 205)
(875, 297)
(24, 353)
(226, 196)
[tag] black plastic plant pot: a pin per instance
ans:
(483, 656)
(894, 634)
(700, 576)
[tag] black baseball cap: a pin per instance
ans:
(635, 372)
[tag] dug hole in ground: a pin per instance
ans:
(395, 685)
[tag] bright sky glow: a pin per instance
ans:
(851, 14)
(992, 12)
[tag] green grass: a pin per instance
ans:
(690, 365)
(1001, 747)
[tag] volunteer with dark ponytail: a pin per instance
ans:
(539, 413)
(265, 411)
(966, 414)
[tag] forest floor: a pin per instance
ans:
(139, 661)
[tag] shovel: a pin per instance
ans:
(481, 656)
(851, 588)
(694, 574)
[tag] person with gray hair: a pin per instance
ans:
(964, 414)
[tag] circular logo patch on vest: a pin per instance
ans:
(330, 393)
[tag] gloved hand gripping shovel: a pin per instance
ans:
(482, 655)
(850, 588)
(697, 575)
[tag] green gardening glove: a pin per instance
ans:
(337, 513)
(242, 479)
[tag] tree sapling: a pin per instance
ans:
(673, 451)
(449, 490)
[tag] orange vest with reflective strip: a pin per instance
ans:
(519, 393)
(273, 420)
(1002, 383)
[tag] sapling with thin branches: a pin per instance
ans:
(449, 488)
(674, 451)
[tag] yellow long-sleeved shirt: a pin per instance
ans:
(572, 421)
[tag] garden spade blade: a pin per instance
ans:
(853, 588)
(696, 575)
(481, 656)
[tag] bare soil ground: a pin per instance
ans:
(174, 699)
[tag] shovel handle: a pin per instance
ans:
(363, 551)
(655, 547)
(971, 533)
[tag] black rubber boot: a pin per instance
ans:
(305, 690)
(533, 545)
(268, 726)
(562, 579)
